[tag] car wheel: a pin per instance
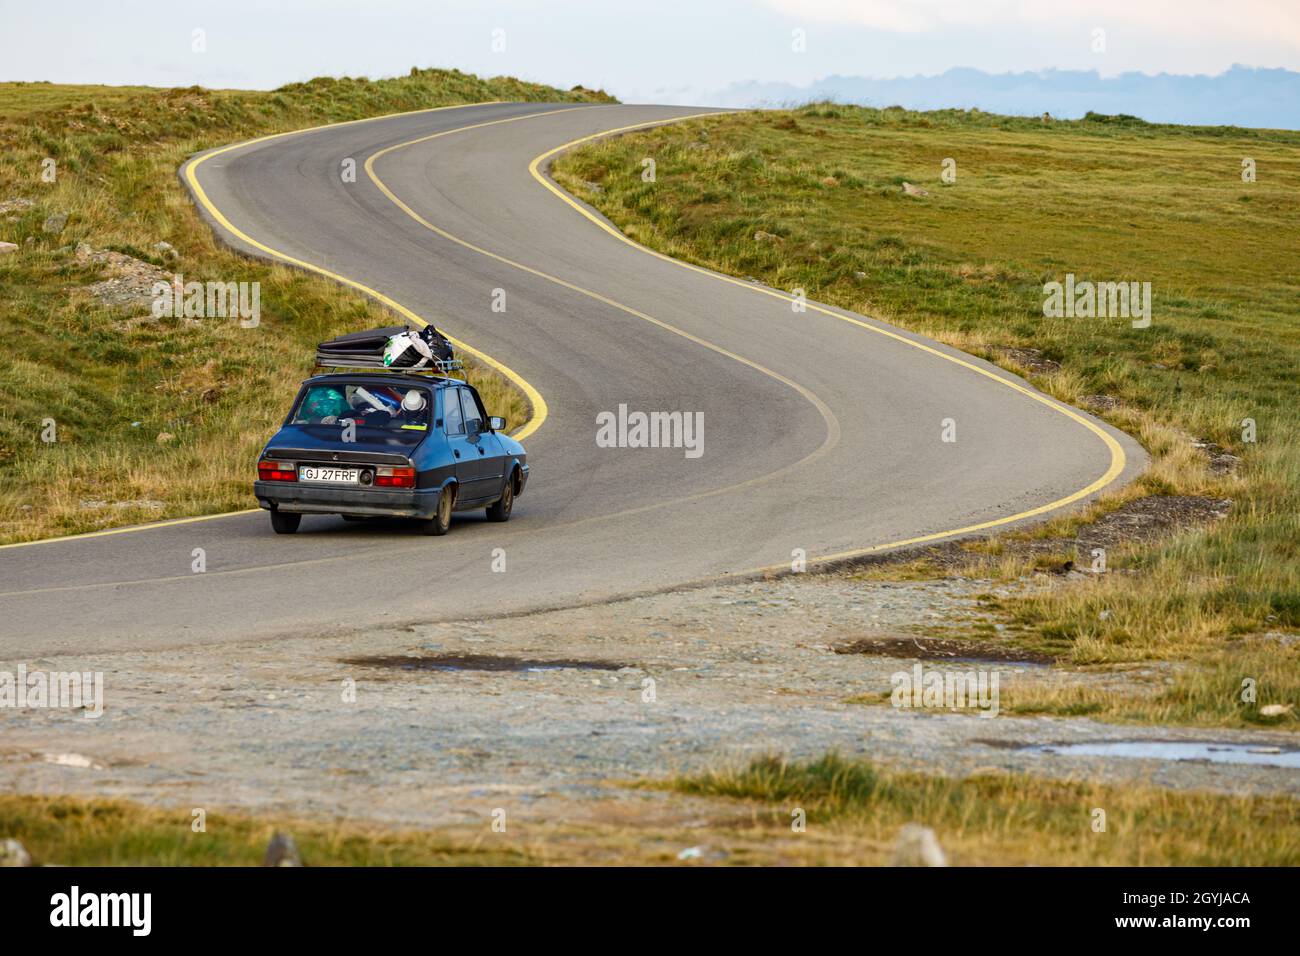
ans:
(441, 520)
(285, 522)
(501, 510)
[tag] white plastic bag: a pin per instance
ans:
(398, 344)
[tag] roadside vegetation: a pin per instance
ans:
(814, 198)
(70, 831)
(162, 418)
(854, 814)
(1014, 819)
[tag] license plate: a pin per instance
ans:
(328, 474)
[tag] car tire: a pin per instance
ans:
(285, 522)
(500, 511)
(440, 523)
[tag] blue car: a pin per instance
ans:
(389, 444)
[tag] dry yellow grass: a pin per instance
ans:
(853, 814)
(1105, 198)
(113, 381)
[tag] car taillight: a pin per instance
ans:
(386, 477)
(277, 471)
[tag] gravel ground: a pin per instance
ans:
(737, 671)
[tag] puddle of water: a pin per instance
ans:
(949, 650)
(480, 662)
(1261, 755)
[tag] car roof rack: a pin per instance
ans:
(445, 368)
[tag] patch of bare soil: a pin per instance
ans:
(12, 209)
(1222, 462)
(1032, 360)
(478, 662)
(915, 647)
(130, 280)
(1101, 403)
(1136, 522)
(445, 723)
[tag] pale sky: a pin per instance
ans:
(640, 50)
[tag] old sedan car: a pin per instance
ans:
(387, 444)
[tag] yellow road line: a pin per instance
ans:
(209, 575)
(1118, 459)
(828, 417)
(534, 397)
(139, 527)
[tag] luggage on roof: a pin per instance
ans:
(371, 340)
(394, 346)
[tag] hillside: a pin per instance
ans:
(156, 418)
(814, 199)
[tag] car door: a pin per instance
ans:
(464, 455)
(485, 448)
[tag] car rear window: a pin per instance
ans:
(367, 405)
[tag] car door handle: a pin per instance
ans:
(456, 453)
(482, 452)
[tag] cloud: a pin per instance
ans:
(1271, 20)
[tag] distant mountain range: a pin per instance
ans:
(1241, 96)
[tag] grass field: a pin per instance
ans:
(75, 832)
(112, 383)
(853, 813)
(1013, 819)
(812, 199)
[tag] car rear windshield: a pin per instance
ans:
(366, 405)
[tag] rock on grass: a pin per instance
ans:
(918, 846)
(13, 853)
(282, 851)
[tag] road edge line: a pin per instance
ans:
(1118, 459)
(535, 400)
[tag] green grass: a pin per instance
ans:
(1206, 693)
(73, 832)
(1013, 819)
(219, 389)
(1102, 199)
(853, 809)
(20, 100)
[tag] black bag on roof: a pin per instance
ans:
(371, 340)
(368, 347)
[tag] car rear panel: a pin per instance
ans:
(296, 497)
(373, 449)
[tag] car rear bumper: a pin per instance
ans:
(290, 496)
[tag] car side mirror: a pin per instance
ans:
(497, 423)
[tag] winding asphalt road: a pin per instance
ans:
(822, 429)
